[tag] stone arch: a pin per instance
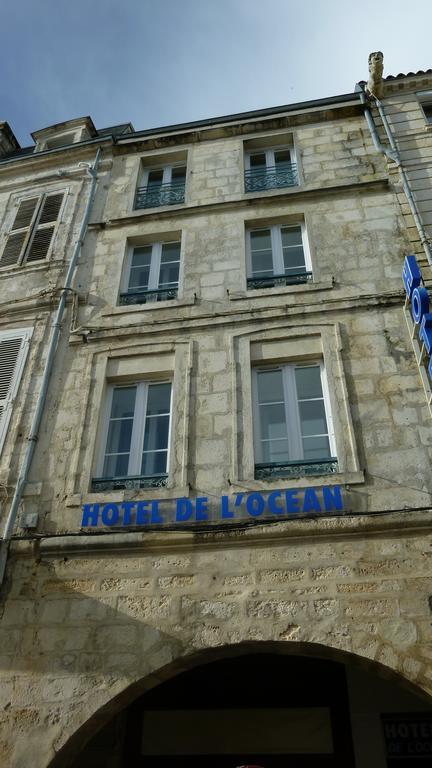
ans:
(78, 737)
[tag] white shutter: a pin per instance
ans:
(44, 229)
(19, 232)
(13, 352)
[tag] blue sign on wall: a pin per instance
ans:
(418, 297)
(298, 501)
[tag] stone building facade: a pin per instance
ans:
(222, 551)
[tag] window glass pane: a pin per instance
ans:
(155, 178)
(168, 275)
(141, 257)
(116, 466)
(156, 433)
(291, 236)
(282, 157)
(170, 252)
(293, 260)
(154, 463)
(178, 174)
(261, 252)
(312, 417)
(275, 451)
(123, 402)
(273, 424)
(258, 160)
(308, 382)
(158, 399)
(119, 436)
(270, 387)
(140, 268)
(316, 448)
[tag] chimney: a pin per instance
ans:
(8, 142)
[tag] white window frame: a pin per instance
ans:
(155, 264)
(269, 153)
(138, 427)
(167, 172)
(292, 416)
(276, 246)
(7, 403)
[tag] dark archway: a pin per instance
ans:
(275, 704)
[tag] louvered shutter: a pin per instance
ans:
(44, 230)
(19, 232)
(13, 352)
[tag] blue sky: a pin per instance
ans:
(155, 62)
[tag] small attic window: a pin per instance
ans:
(60, 141)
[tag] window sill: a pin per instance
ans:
(27, 268)
(305, 481)
(117, 497)
(282, 290)
(148, 307)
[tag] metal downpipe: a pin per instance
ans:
(55, 333)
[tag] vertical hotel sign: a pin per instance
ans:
(419, 321)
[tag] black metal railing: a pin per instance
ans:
(130, 483)
(274, 280)
(296, 468)
(142, 297)
(166, 194)
(260, 179)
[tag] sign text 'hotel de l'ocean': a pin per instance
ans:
(281, 503)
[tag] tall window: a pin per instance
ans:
(292, 422)
(13, 352)
(31, 234)
(277, 255)
(161, 186)
(152, 273)
(136, 435)
(270, 169)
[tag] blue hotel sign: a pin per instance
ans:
(418, 297)
(284, 503)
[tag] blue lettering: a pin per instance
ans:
(184, 509)
(311, 501)
(291, 501)
(155, 516)
(425, 332)
(332, 497)
(110, 514)
(271, 501)
(90, 516)
(255, 504)
(201, 508)
(127, 508)
(239, 499)
(419, 304)
(225, 512)
(411, 275)
(142, 513)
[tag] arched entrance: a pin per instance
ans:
(268, 704)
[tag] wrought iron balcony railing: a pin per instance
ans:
(274, 280)
(296, 468)
(130, 483)
(165, 194)
(260, 179)
(142, 297)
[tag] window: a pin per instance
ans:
(32, 231)
(152, 273)
(161, 186)
(292, 423)
(60, 141)
(13, 352)
(277, 255)
(427, 109)
(425, 99)
(136, 436)
(270, 169)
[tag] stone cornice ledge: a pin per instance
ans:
(341, 526)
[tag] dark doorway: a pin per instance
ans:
(263, 709)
